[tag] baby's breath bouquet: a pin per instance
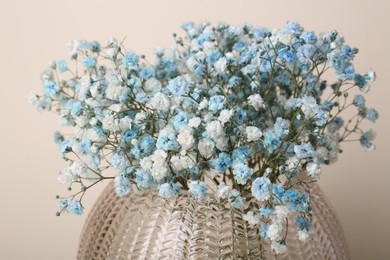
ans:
(244, 114)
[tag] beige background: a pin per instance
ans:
(34, 32)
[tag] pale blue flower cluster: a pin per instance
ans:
(235, 107)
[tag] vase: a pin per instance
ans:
(144, 225)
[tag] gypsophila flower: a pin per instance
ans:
(168, 190)
(261, 188)
(223, 191)
(122, 185)
(253, 133)
(236, 112)
(242, 173)
(252, 218)
(235, 199)
(198, 189)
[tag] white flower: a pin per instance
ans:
(252, 218)
(223, 191)
(253, 133)
(79, 167)
(186, 138)
(73, 47)
(113, 92)
(313, 170)
(94, 136)
(206, 147)
(32, 98)
(159, 156)
(146, 163)
(194, 122)
(215, 129)
(275, 231)
(177, 163)
(281, 212)
(139, 118)
(67, 176)
(221, 65)
(160, 101)
(225, 115)
(110, 123)
(303, 235)
(203, 104)
(125, 123)
(159, 172)
(278, 247)
(76, 147)
(256, 101)
(82, 121)
(152, 84)
(293, 163)
(221, 143)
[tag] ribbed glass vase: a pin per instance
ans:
(143, 225)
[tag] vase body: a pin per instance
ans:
(143, 225)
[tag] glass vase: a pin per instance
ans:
(143, 225)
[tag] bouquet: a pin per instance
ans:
(245, 114)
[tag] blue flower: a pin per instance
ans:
(75, 207)
(267, 211)
(118, 161)
(303, 222)
(235, 199)
(212, 57)
(366, 139)
(222, 163)
(281, 127)
(359, 101)
(304, 151)
(320, 116)
(180, 119)
(62, 66)
(296, 201)
(309, 37)
(234, 81)
(241, 154)
(57, 137)
(216, 103)
(122, 185)
(50, 88)
(168, 190)
(144, 178)
(260, 33)
(85, 145)
(271, 140)
(293, 27)
(263, 230)
(130, 59)
(278, 191)
(167, 140)
(261, 188)
(287, 54)
(327, 105)
(130, 134)
(178, 86)
(89, 62)
(199, 189)
(147, 144)
(147, 72)
(242, 173)
(66, 146)
(305, 52)
(372, 115)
